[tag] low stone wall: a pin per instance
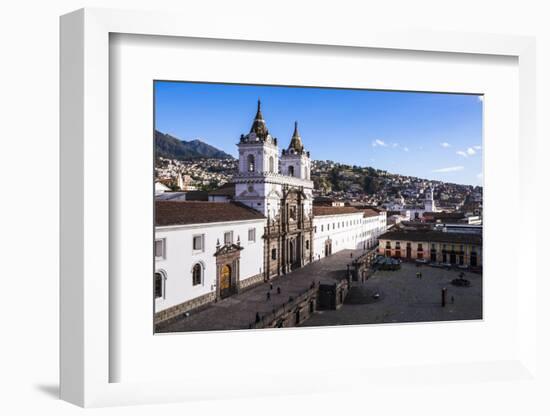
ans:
(290, 314)
(332, 295)
(250, 282)
(361, 266)
(167, 315)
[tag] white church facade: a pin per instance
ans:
(414, 212)
(206, 251)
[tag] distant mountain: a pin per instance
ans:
(173, 148)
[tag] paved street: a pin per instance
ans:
(404, 298)
(238, 311)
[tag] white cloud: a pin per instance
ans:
(470, 151)
(480, 176)
(379, 142)
(449, 169)
(406, 149)
(394, 145)
(445, 144)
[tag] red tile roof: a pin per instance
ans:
(432, 236)
(199, 212)
(370, 213)
(323, 210)
(226, 190)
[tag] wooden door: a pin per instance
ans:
(225, 281)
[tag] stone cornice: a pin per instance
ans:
(270, 177)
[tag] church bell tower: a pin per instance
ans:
(258, 160)
(295, 160)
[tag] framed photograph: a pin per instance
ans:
(312, 234)
(289, 212)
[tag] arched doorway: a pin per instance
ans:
(225, 281)
(328, 248)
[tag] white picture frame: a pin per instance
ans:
(86, 356)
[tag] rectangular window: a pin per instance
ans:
(160, 248)
(252, 235)
(322, 227)
(228, 237)
(273, 254)
(198, 242)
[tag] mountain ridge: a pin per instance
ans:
(171, 147)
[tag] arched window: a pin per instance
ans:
(271, 164)
(159, 285)
(251, 165)
(197, 274)
(291, 171)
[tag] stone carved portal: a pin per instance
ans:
(227, 270)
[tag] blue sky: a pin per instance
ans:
(434, 136)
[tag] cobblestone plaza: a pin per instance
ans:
(403, 297)
(386, 297)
